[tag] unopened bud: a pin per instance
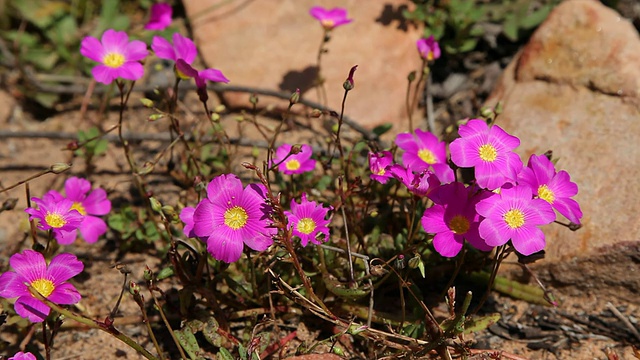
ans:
(169, 211)
(58, 168)
(220, 108)
(9, 204)
(295, 97)
(73, 145)
(487, 112)
(296, 149)
(215, 117)
(198, 184)
(154, 117)
(155, 204)
(146, 168)
(253, 99)
(134, 288)
(414, 262)
(349, 83)
(315, 113)
(499, 107)
(146, 102)
(147, 274)
(412, 76)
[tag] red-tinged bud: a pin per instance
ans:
(349, 83)
(73, 145)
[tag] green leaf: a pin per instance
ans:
(41, 13)
(189, 343)
(381, 129)
(165, 273)
(224, 354)
(479, 323)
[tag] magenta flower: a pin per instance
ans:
(118, 57)
(186, 215)
(421, 184)
(428, 48)
(57, 215)
(182, 48)
(49, 280)
(514, 214)
(424, 151)
(332, 18)
(453, 219)
(89, 204)
(231, 216)
(555, 188)
(379, 163)
(23, 356)
(186, 71)
(489, 150)
(308, 220)
(294, 162)
(160, 17)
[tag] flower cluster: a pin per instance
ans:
(78, 210)
(507, 202)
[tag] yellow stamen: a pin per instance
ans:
(328, 24)
(44, 286)
(459, 224)
(488, 152)
(546, 194)
(306, 226)
(55, 220)
(113, 60)
(427, 156)
(78, 206)
(381, 171)
(514, 218)
(292, 165)
(236, 217)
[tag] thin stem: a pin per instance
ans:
(166, 323)
(501, 252)
(45, 341)
(431, 121)
(416, 92)
(108, 328)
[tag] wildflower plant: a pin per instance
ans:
(308, 221)
(56, 215)
(118, 57)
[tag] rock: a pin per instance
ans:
(274, 46)
(575, 89)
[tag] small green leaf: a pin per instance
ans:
(224, 354)
(479, 323)
(381, 129)
(189, 343)
(165, 273)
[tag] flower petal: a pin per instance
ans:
(92, 228)
(29, 264)
(31, 308)
(65, 294)
(97, 203)
(225, 245)
(63, 267)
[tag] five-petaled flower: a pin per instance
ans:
(424, 151)
(182, 48)
(23, 356)
(307, 220)
(379, 163)
(118, 57)
(330, 18)
(231, 216)
(428, 48)
(489, 150)
(514, 214)
(453, 219)
(292, 160)
(186, 215)
(555, 188)
(57, 215)
(160, 17)
(89, 204)
(30, 267)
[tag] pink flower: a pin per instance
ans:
(290, 163)
(514, 214)
(424, 151)
(379, 163)
(308, 220)
(421, 184)
(201, 76)
(118, 57)
(57, 215)
(89, 204)
(555, 188)
(49, 280)
(489, 150)
(231, 216)
(160, 17)
(23, 356)
(186, 215)
(332, 18)
(429, 48)
(453, 219)
(182, 48)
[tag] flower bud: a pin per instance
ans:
(253, 99)
(146, 168)
(146, 102)
(412, 76)
(147, 274)
(296, 149)
(58, 168)
(295, 97)
(134, 288)
(155, 204)
(73, 145)
(315, 113)
(349, 84)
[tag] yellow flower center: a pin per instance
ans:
(44, 286)
(546, 194)
(306, 226)
(381, 171)
(328, 24)
(427, 156)
(182, 75)
(430, 56)
(78, 206)
(55, 220)
(236, 217)
(113, 60)
(488, 152)
(514, 218)
(459, 224)
(292, 165)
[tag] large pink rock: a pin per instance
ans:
(274, 44)
(575, 89)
